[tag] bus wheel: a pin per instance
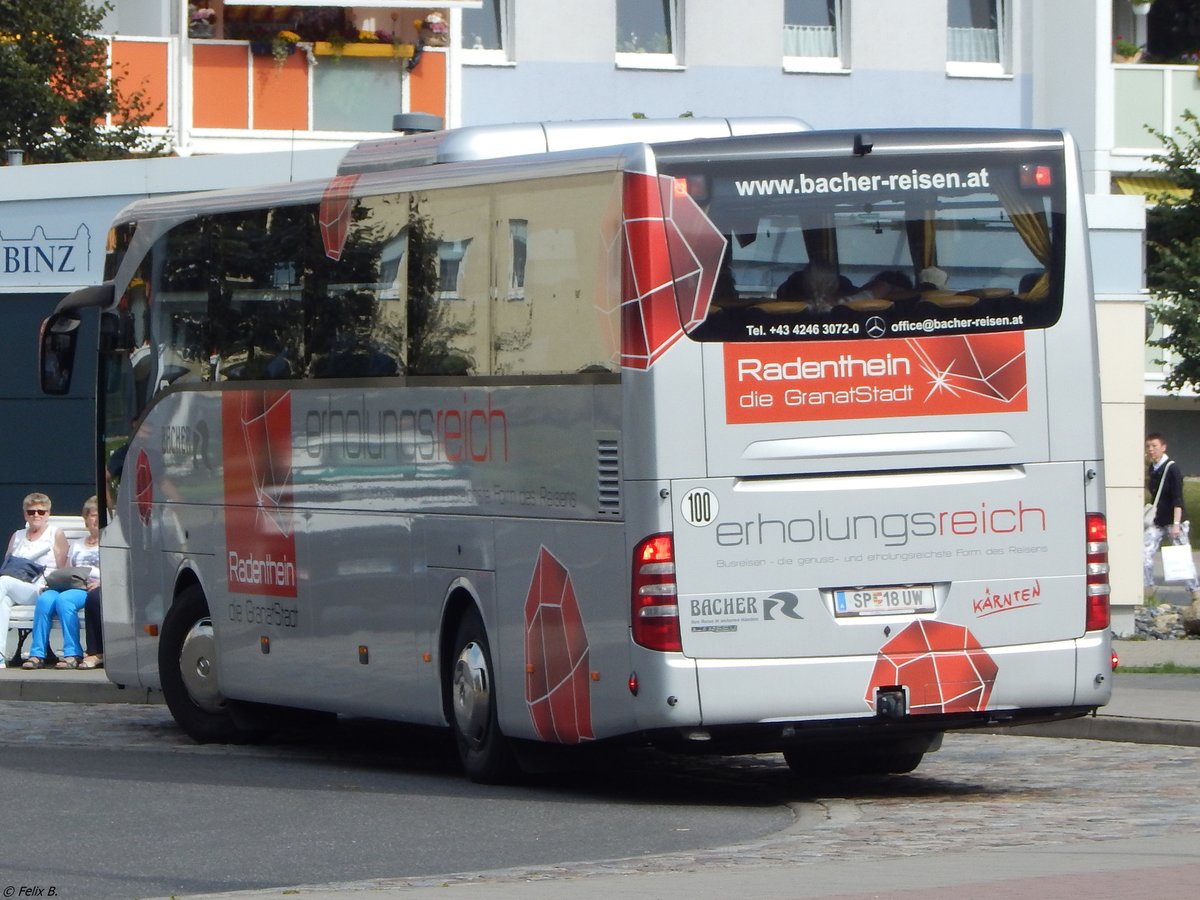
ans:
(187, 668)
(485, 752)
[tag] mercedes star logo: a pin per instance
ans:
(876, 327)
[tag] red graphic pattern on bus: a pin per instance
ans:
(334, 216)
(671, 256)
(944, 667)
(557, 686)
(143, 493)
(987, 367)
(256, 440)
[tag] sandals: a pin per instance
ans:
(67, 662)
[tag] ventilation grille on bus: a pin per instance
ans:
(608, 478)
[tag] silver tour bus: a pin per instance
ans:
(722, 436)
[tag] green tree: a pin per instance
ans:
(58, 88)
(1173, 253)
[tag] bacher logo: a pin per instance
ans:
(746, 608)
(784, 603)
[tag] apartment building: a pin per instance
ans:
(248, 92)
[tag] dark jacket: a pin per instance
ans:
(1172, 492)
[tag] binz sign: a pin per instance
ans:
(41, 259)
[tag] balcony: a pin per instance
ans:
(1150, 95)
(221, 96)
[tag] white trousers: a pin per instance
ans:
(1152, 540)
(14, 592)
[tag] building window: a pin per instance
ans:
(814, 35)
(648, 33)
(518, 232)
(976, 37)
(485, 32)
(451, 265)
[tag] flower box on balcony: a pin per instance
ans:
(327, 48)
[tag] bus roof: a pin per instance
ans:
(478, 142)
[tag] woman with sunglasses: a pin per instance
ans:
(38, 541)
(65, 604)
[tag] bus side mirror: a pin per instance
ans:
(56, 352)
(60, 334)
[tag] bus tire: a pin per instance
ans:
(485, 752)
(187, 669)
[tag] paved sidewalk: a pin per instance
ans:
(68, 686)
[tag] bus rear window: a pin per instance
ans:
(881, 246)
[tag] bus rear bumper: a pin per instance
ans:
(932, 691)
(917, 733)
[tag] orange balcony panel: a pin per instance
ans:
(427, 85)
(142, 66)
(281, 93)
(220, 86)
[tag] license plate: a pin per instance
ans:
(884, 601)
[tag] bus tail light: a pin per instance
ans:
(1033, 176)
(1098, 589)
(654, 613)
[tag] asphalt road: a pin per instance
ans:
(112, 801)
(131, 808)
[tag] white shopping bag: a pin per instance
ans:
(1178, 564)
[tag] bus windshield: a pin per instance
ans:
(882, 245)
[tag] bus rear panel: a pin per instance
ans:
(887, 513)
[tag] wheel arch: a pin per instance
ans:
(185, 577)
(462, 597)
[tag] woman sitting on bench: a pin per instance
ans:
(37, 546)
(84, 554)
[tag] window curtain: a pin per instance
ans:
(973, 45)
(920, 226)
(809, 40)
(820, 239)
(1030, 223)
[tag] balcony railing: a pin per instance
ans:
(1154, 96)
(208, 93)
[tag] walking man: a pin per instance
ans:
(1164, 482)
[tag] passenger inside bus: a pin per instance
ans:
(883, 291)
(932, 278)
(817, 284)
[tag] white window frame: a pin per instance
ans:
(1002, 68)
(452, 253)
(672, 60)
(840, 62)
(499, 57)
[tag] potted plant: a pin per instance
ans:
(1140, 7)
(1126, 51)
(200, 22)
(433, 30)
(283, 45)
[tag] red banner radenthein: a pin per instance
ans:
(257, 446)
(929, 376)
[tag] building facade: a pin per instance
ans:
(228, 80)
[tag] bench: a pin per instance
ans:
(21, 617)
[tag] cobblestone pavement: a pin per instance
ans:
(979, 792)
